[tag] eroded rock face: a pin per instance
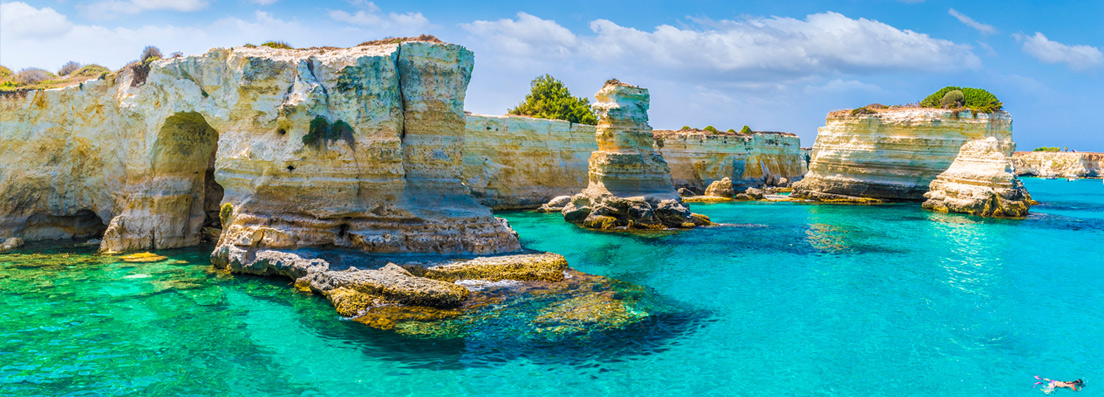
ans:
(1059, 164)
(357, 148)
(516, 162)
(699, 158)
(981, 181)
(891, 155)
(630, 183)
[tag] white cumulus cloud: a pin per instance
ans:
(19, 19)
(1077, 57)
(981, 27)
(526, 36)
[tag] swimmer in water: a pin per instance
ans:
(1051, 384)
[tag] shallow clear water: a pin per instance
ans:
(794, 299)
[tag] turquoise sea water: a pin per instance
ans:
(794, 299)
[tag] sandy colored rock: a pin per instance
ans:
(764, 158)
(1059, 164)
(629, 182)
(145, 160)
(981, 181)
(721, 188)
(892, 154)
(527, 267)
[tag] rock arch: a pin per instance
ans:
(178, 195)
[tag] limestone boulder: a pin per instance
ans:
(981, 181)
(721, 188)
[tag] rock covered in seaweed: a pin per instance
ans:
(981, 181)
(630, 183)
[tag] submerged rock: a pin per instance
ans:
(630, 183)
(427, 296)
(143, 257)
(981, 181)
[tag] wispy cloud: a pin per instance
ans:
(110, 9)
(1077, 57)
(370, 16)
(981, 27)
(749, 49)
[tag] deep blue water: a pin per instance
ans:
(791, 299)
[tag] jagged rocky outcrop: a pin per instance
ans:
(519, 162)
(1059, 164)
(629, 182)
(355, 148)
(981, 181)
(891, 154)
(698, 158)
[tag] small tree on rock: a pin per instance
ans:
(550, 99)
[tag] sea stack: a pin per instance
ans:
(880, 154)
(981, 181)
(630, 183)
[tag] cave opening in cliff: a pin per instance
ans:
(184, 166)
(82, 224)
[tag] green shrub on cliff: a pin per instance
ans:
(975, 99)
(745, 130)
(953, 99)
(710, 129)
(549, 98)
(226, 213)
(280, 45)
(862, 110)
(1047, 149)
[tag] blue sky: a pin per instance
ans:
(779, 66)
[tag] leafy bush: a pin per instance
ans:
(731, 130)
(32, 76)
(953, 99)
(862, 110)
(68, 67)
(975, 99)
(91, 71)
(549, 98)
(280, 45)
(710, 129)
(1047, 149)
(5, 74)
(745, 130)
(150, 54)
(685, 128)
(225, 213)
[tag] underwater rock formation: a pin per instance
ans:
(891, 154)
(698, 158)
(357, 148)
(630, 183)
(1060, 164)
(517, 162)
(981, 181)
